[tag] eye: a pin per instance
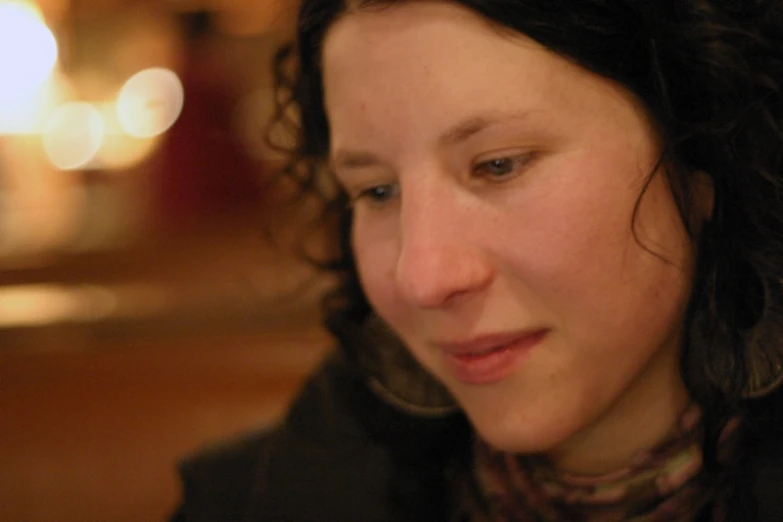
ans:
(378, 194)
(498, 169)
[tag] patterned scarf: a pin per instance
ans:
(664, 484)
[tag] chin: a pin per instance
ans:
(528, 437)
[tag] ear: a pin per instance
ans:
(702, 199)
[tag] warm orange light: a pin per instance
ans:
(35, 305)
(119, 150)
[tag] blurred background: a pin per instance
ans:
(151, 299)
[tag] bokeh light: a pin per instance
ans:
(119, 150)
(73, 135)
(150, 102)
(28, 54)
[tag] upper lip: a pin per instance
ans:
(483, 343)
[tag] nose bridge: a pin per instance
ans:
(439, 256)
(428, 211)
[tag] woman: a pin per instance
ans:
(560, 247)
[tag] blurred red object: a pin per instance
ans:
(205, 173)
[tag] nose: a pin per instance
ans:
(440, 258)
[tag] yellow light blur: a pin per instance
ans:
(150, 102)
(36, 305)
(73, 135)
(28, 54)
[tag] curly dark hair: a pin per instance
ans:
(710, 74)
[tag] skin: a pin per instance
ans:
(451, 246)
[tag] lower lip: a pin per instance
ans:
(493, 366)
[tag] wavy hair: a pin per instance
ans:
(710, 74)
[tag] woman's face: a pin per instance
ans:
(494, 185)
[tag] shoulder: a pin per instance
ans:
(767, 480)
(765, 457)
(217, 481)
(341, 454)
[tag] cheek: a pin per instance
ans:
(375, 253)
(571, 226)
(578, 253)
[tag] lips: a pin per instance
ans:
(489, 359)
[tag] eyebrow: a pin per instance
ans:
(471, 126)
(459, 133)
(350, 159)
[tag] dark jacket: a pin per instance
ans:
(344, 454)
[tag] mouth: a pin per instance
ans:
(490, 359)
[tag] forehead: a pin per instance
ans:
(418, 67)
(393, 59)
(396, 26)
